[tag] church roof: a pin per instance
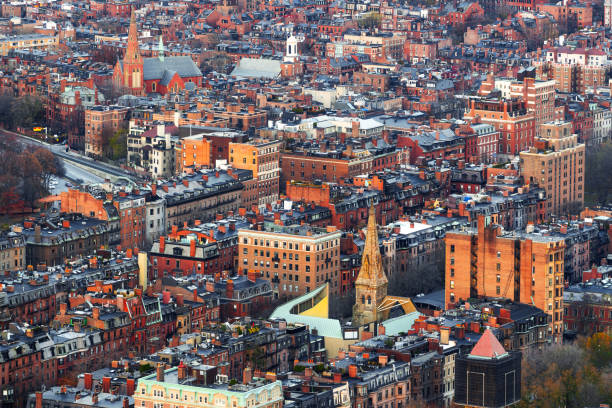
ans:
(154, 68)
(488, 347)
(167, 77)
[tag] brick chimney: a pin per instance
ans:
(154, 189)
(39, 399)
(95, 314)
(88, 381)
(160, 372)
(230, 288)
(179, 299)
(192, 248)
(182, 371)
(247, 375)
(106, 384)
(126, 402)
(352, 371)
(130, 386)
(162, 244)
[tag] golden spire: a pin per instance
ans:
(371, 272)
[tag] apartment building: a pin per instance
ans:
(539, 95)
(204, 146)
(152, 150)
(12, 251)
(26, 41)
(296, 259)
(191, 386)
(523, 267)
(101, 122)
(515, 123)
(262, 158)
(556, 163)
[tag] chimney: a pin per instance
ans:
(95, 314)
(154, 189)
(65, 223)
(88, 380)
(162, 244)
(337, 378)
(39, 399)
(192, 248)
(182, 371)
(195, 295)
(166, 297)
(352, 371)
(160, 372)
(130, 386)
(106, 384)
(179, 299)
(94, 398)
(126, 402)
(382, 359)
(444, 335)
(247, 375)
(230, 288)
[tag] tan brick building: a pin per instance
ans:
(522, 267)
(296, 259)
(262, 157)
(556, 163)
(12, 251)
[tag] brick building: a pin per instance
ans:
(523, 267)
(261, 157)
(514, 122)
(12, 251)
(556, 163)
(101, 122)
(296, 259)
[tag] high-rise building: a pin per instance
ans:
(488, 376)
(371, 284)
(524, 267)
(556, 163)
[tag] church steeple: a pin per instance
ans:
(371, 284)
(132, 52)
(161, 49)
(132, 65)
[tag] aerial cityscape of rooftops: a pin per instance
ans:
(305, 203)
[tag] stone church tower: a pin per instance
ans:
(371, 284)
(132, 67)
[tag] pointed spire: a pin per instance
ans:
(132, 52)
(161, 48)
(371, 271)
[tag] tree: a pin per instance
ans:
(370, 20)
(599, 347)
(27, 111)
(561, 376)
(47, 162)
(598, 167)
(114, 144)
